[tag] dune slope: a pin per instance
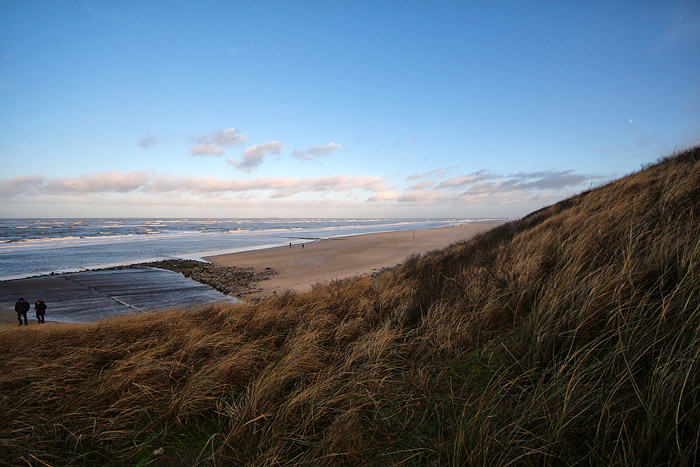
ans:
(569, 336)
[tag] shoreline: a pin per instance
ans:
(204, 256)
(301, 266)
(262, 273)
(106, 243)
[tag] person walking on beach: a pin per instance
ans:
(40, 308)
(22, 307)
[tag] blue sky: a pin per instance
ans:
(335, 109)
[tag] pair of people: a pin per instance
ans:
(22, 307)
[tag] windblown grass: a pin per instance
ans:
(569, 337)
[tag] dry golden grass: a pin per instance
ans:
(571, 336)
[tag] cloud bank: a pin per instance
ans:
(150, 183)
(483, 192)
(484, 187)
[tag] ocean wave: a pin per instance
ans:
(25, 249)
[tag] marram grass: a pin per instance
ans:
(569, 337)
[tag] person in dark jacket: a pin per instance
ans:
(22, 307)
(40, 308)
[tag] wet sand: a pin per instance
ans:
(337, 258)
(90, 296)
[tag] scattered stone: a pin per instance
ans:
(237, 282)
(229, 280)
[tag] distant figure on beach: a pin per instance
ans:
(290, 245)
(40, 309)
(22, 307)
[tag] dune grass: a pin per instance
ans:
(568, 337)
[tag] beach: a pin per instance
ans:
(298, 268)
(286, 268)
(93, 295)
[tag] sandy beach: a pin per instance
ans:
(296, 268)
(337, 258)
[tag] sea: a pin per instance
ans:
(35, 247)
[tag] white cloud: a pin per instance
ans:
(185, 205)
(216, 142)
(334, 183)
(420, 197)
(485, 189)
(487, 193)
(439, 172)
(421, 186)
(151, 184)
(491, 183)
(212, 185)
(315, 152)
(466, 179)
(104, 182)
(389, 195)
(254, 155)
(227, 137)
(10, 187)
(424, 197)
(207, 150)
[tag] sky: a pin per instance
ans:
(336, 109)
